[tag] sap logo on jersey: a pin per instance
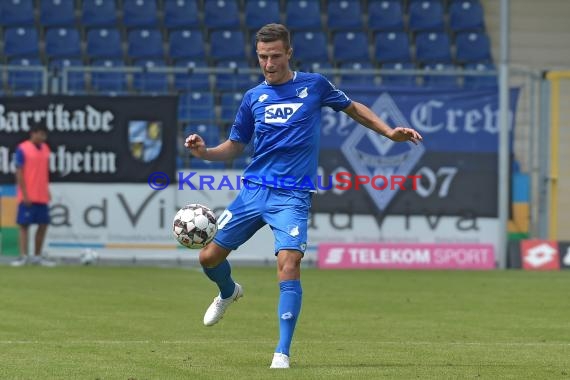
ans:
(280, 113)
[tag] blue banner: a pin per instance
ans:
(453, 172)
(449, 120)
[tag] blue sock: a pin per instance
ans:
(288, 313)
(222, 276)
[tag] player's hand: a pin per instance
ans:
(196, 144)
(401, 134)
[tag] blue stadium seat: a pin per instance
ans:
(21, 42)
(145, 43)
(63, 43)
(211, 133)
(433, 47)
(221, 14)
(310, 46)
(350, 47)
(197, 163)
(227, 45)
(315, 67)
(475, 82)
(472, 47)
(303, 15)
(466, 15)
(235, 81)
(150, 82)
(241, 162)
(230, 102)
(186, 44)
(98, 13)
(450, 81)
(111, 82)
(104, 43)
(76, 83)
(25, 82)
(358, 78)
(181, 14)
(399, 79)
(385, 15)
(252, 48)
(344, 15)
(426, 15)
(245, 158)
(139, 13)
(57, 13)
(261, 12)
(192, 81)
(421, 1)
(392, 47)
(196, 107)
(17, 13)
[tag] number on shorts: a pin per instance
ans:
(224, 218)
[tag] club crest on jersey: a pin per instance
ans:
(280, 113)
(302, 92)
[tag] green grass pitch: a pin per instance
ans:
(146, 323)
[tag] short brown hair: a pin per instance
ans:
(274, 32)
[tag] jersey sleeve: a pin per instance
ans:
(19, 158)
(331, 96)
(244, 124)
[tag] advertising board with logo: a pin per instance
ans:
(406, 256)
(135, 220)
(543, 254)
(93, 138)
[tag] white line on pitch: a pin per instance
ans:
(183, 342)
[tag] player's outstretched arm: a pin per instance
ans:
(366, 117)
(225, 151)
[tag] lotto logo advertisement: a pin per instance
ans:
(540, 255)
(406, 256)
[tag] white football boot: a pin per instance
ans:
(280, 361)
(217, 309)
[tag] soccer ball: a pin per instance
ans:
(88, 257)
(194, 226)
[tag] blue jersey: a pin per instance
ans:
(284, 121)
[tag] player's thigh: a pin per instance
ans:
(288, 216)
(241, 219)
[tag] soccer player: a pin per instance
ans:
(32, 181)
(283, 116)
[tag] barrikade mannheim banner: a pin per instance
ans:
(442, 213)
(93, 139)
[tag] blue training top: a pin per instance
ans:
(285, 121)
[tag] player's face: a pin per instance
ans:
(274, 61)
(38, 137)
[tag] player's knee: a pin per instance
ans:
(289, 270)
(209, 257)
(289, 264)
